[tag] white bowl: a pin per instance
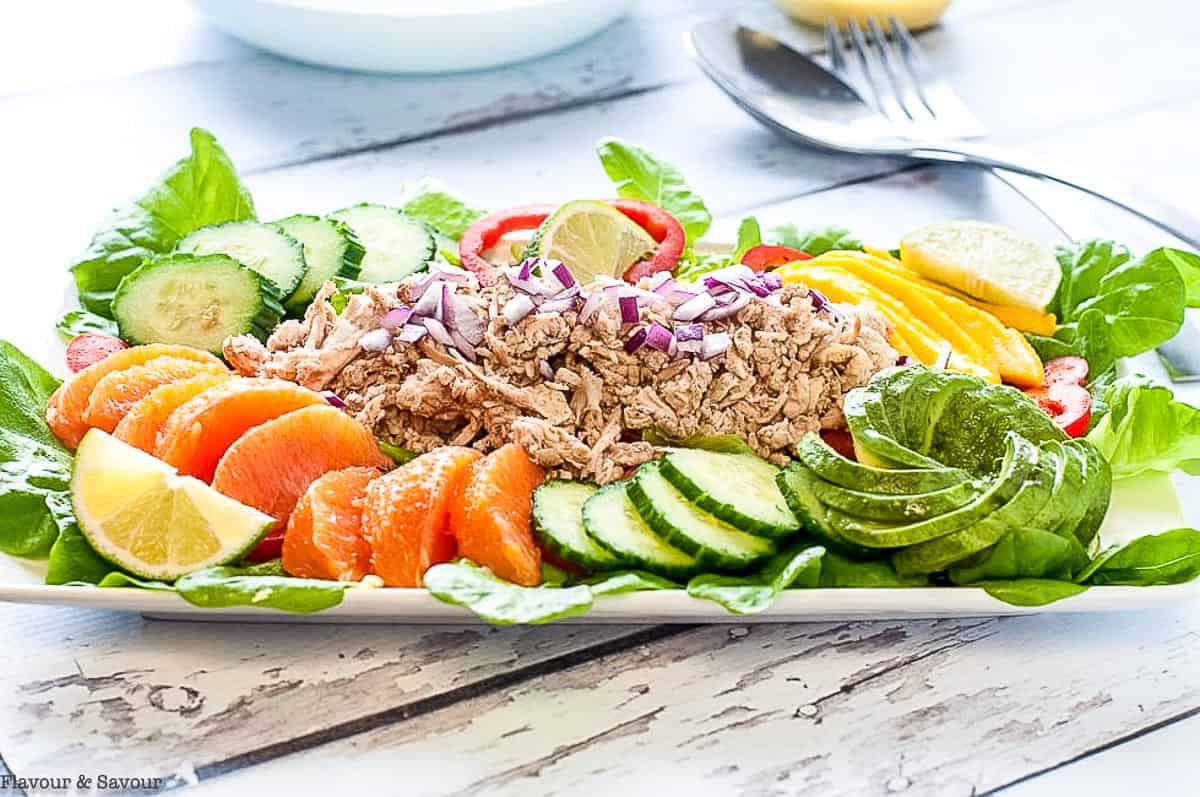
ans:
(421, 36)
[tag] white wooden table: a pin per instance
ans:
(95, 99)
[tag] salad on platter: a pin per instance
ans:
(525, 410)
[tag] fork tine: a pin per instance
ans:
(913, 106)
(833, 47)
(943, 104)
(912, 56)
(884, 101)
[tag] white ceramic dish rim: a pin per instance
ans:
(389, 8)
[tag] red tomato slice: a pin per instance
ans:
(90, 348)
(1067, 370)
(840, 441)
(765, 256)
(270, 547)
(1069, 406)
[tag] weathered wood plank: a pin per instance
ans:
(949, 707)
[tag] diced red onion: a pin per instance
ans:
(635, 341)
(772, 280)
(444, 308)
(525, 270)
(679, 296)
(689, 332)
(394, 319)
(545, 369)
(557, 305)
(411, 333)
(903, 359)
(334, 399)
(448, 271)
(591, 306)
(376, 340)
(460, 318)
(568, 293)
(563, 275)
(516, 308)
(659, 279)
(690, 346)
(695, 307)
(659, 337)
(819, 302)
(727, 310)
(716, 287)
(438, 331)
(715, 345)
(758, 289)
(629, 309)
(463, 345)
(419, 284)
(429, 302)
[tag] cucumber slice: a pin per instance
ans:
(558, 524)
(738, 488)
(796, 481)
(713, 542)
(195, 300)
(613, 521)
(833, 467)
(259, 247)
(397, 244)
(894, 508)
(330, 250)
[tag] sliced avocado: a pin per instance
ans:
(1020, 458)
(893, 393)
(1097, 481)
(1034, 492)
(795, 482)
(970, 434)
(895, 508)
(879, 450)
(831, 466)
(1070, 500)
(926, 401)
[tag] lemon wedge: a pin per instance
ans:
(592, 238)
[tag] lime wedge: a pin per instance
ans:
(992, 263)
(139, 514)
(592, 238)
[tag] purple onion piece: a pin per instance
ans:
(903, 359)
(758, 289)
(563, 275)
(376, 340)
(635, 341)
(819, 302)
(659, 279)
(717, 287)
(429, 302)
(690, 346)
(629, 309)
(411, 333)
(394, 319)
(659, 337)
(695, 307)
(443, 311)
(772, 280)
(715, 345)
(594, 300)
(525, 270)
(463, 345)
(334, 399)
(664, 287)
(451, 272)
(678, 295)
(438, 331)
(557, 305)
(726, 311)
(689, 332)
(461, 318)
(516, 308)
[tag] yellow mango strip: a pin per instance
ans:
(842, 286)
(1022, 318)
(1016, 360)
(918, 303)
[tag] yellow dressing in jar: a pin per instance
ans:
(914, 14)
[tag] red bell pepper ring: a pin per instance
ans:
(658, 223)
(768, 256)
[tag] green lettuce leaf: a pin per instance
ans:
(1031, 591)
(626, 581)
(749, 235)
(220, 587)
(798, 566)
(814, 241)
(441, 210)
(202, 188)
(638, 174)
(1171, 557)
(466, 584)
(1188, 264)
(1146, 429)
(77, 322)
(35, 470)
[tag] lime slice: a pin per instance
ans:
(139, 514)
(992, 263)
(592, 238)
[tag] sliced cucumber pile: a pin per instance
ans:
(558, 524)
(397, 244)
(331, 250)
(738, 488)
(260, 247)
(195, 300)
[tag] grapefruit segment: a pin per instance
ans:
(141, 425)
(492, 520)
(200, 431)
(324, 537)
(406, 515)
(272, 464)
(114, 395)
(67, 409)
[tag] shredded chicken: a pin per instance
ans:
(568, 392)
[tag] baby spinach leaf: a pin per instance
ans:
(1088, 337)
(840, 571)
(77, 322)
(1172, 557)
(627, 581)
(219, 587)
(798, 566)
(35, 470)
(1146, 429)
(74, 561)
(638, 174)
(1031, 591)
(749, 235)
(814, 241)
(202, 188)
(441, 210)
(466, 584)
(121, 579)
(1024, 553)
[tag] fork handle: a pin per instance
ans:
(1164, 215)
